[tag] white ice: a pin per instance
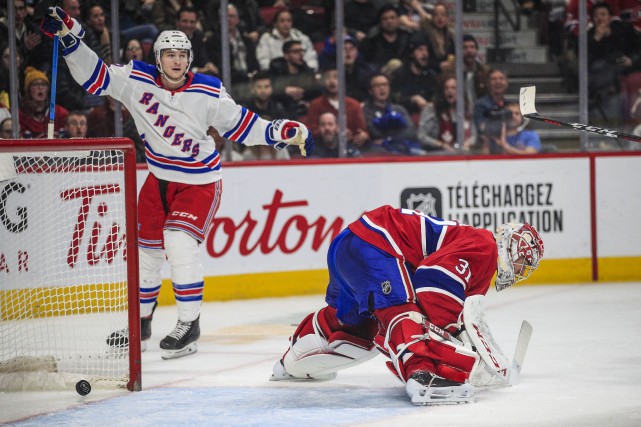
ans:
(583, 368)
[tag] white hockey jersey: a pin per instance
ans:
(172, 124)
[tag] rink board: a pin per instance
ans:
(276, 220)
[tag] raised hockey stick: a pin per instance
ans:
(519, 353)
(52, 100)
(528, 109)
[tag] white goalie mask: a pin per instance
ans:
(172, 40)
(520, 250)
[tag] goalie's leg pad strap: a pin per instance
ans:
(318, 348)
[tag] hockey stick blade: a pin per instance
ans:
(528, 109)
(519, 353)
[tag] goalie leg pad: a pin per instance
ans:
(320, 347)
(187, 274)
(495, 361)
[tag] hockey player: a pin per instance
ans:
(411, 285)
(173, 109)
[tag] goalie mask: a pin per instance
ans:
(176, 40)
(520, 249)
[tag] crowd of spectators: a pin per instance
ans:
(398, 59)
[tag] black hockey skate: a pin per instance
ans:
(182, 340)
(120, 339)
(425, 388)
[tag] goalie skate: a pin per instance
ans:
(425, 388)
(182, 340)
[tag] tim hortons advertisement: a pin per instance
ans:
(282, 218)
(57, 231)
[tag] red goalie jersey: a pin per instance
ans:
(450, 261)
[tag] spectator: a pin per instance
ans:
(35, 49)
(247, 18)
(34, 108)
(73, 8)
(328, 103)
(357, 71)
(475, 71)
(361, 16)
(5, 78)
(5, 128)
(411, 13)
(268, 109)
(187, 22)
(437, 129)
(134, 52)
(270, 44)
(76, 125)
(242, 52)
(98, 36)
(614, 49)
(389, 125)
(294, 81)
(490, 106)
(440, 36)
(164, 13)
(414, 83)
(4, 111)
(389, 43)
(513, 139)
(326, 136)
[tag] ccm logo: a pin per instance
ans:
(184, 215)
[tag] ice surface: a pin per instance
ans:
(583, 368)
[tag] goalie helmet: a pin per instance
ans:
(520, 249)
(172, 40)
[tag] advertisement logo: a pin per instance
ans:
(427, 200)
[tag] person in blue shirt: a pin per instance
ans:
(514, 139)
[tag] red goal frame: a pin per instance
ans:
(128, 148)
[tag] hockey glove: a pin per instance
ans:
(59, 23)
(282, 132)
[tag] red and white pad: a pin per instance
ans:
(493, 369)
(413, 348)
(318, 350)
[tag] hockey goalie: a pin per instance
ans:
(412, 287)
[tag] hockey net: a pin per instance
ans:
(68, 264)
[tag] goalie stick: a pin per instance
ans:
(528, 110)
(519, 353)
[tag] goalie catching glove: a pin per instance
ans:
(282, 132)
(58, 23)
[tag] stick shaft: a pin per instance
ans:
(527, 103)
(52, 97)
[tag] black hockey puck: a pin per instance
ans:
(83, 387)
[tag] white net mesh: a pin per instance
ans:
(63, 269)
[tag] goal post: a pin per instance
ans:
(68, 264)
